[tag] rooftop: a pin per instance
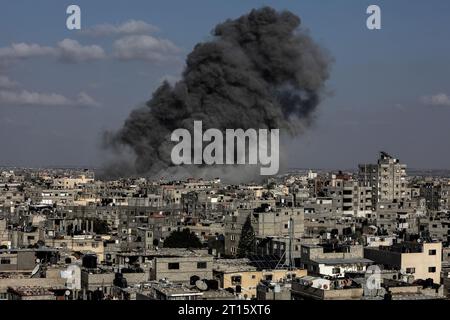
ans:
(233, 265)
(30, 291)
(343, 261)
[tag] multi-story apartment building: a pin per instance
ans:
(350, 197)
(387, 179)
(436, 195)
(266, 222)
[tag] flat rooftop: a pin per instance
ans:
(31, 291)
(233, 265)
(343, 261)
(166, 252)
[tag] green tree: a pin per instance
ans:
(247, 242)
(182, 239)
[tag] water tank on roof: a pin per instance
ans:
(120, 281)
(90, 261)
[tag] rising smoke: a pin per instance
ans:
(258, 71)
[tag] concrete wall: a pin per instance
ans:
(30, 282)
(188, 267)
(251, 279)
(313, 253)
(421, 261)
(383, 257)
(300, 292)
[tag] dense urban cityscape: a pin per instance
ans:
(216, 159)
(377, 233)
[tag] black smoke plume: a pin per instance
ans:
(258, 71)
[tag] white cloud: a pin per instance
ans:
(67, 50)
(86, 100)
(72, 51)
(440, 99)
(144, 47)
(28, 98)
(6, 83)
(127, 28)
(24, 51)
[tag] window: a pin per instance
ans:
(202, 265)
(336, 270)
(253, 276)
(173, 265)
(411, 270)
(5, 261)
(432, 269)
(269, 277)
(432, 252)
(236, 280)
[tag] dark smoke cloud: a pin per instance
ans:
(258, 71)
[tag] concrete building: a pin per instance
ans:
(422, 260)
(243, 278)
(377, 241)
(25, 260)
(4, 234)
(387, 179)
(79, 243)
(350, 197)
(311, 288)
(333, 261)
(268, 290)
(182, 268)
(266, 222)
(30, 293)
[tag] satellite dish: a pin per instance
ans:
(67, 293)
(38, 260)
(201, 285)
(35, 270)
(127, 259)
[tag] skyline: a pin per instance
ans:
(59, 120)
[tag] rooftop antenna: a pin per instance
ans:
(291, 236)
(289, 251)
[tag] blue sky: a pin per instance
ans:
(389, 89)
